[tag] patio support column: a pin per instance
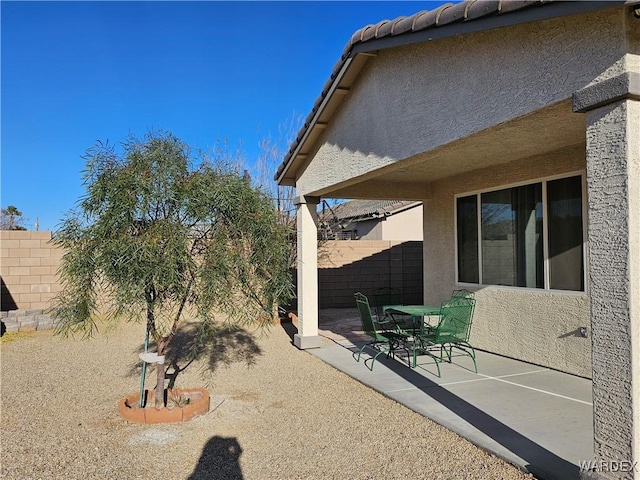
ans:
(612, 110)
(307, 218)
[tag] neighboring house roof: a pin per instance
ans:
(360, 210)
(450, 19)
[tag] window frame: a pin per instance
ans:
(545, 233)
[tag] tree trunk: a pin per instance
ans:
(159, 396)
(158, 400)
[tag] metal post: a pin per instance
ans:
(144, 369)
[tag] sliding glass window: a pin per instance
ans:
(509, 229)
(467, 220)
(564, 206)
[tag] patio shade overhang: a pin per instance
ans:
(552, 100)
(554, 128)
(516, 139)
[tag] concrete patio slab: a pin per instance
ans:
(534, 417)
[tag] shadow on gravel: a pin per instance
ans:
(223, 345)
(220, 460)
(289, 328)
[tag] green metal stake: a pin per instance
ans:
(144, 369)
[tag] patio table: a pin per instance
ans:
(417, 313)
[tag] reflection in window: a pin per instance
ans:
(564, 206)
(467, 224)
(511, 232)
(512, 237)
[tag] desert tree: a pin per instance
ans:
(11, 219)
(273, 149)
(161, 236)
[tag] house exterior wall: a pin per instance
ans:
(403, 226)
(406, 225)
(410, 101)
(416, 98)
(534, 325)
(368, 230)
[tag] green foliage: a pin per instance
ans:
(160, 234)
(11, 219)
(178, 400)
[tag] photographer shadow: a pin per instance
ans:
(220, 460)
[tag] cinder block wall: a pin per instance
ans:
(29, 262)
(345, 267)
(28, 266)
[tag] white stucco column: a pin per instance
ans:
(612, 111)
(307, 221)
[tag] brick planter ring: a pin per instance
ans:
(198, 405)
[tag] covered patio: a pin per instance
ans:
(516, 125)
(533, 417)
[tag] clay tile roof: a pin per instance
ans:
(447, 16)
(425, 20)
(513, 5)
(403, 25)
(394, 25)
(479, 9)
(384, 28)
(358, 210)
(453, 13)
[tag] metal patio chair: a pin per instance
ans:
(384, 338)
(385, 296)
(452, 332)
(463, 293)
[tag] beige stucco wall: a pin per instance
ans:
(613, 165)
(403, 226)
(534, 325)
(406, 225)
(416, 98)
(28, 266)
(411, 101)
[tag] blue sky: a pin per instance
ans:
(73, 73)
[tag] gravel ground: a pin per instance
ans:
(276, 413)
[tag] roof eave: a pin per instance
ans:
(294, 156)
(458, 22)
(463, 26)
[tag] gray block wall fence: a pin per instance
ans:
(29, 263)
(398, 266)
(26, 320)
(349, 266)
